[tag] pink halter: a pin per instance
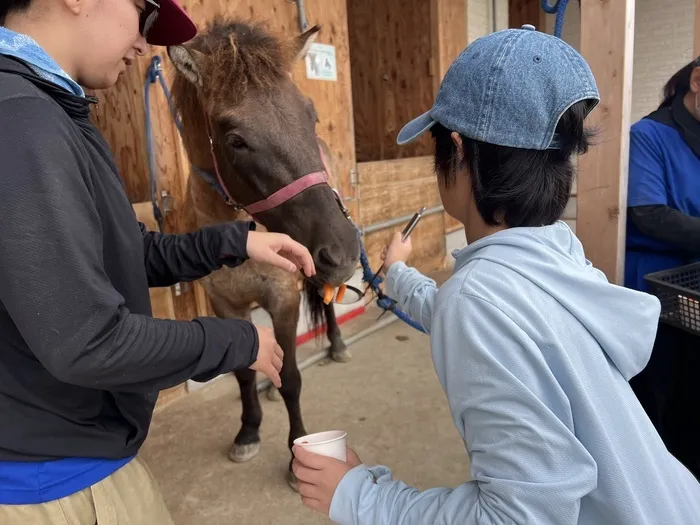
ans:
(282, 195)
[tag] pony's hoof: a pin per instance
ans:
(292, 481)
(341, 356)
(243, 453)
(273, 394)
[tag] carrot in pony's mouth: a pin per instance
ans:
(329, 292)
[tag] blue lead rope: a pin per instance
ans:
(383, 301)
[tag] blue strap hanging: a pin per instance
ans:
(559, 8)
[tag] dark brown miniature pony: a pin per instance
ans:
(233, 85)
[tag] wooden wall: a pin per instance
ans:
(392, 80)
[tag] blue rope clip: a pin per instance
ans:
(383, 301)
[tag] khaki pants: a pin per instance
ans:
(130, 496)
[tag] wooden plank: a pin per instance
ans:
(522, 12)
(449, 36)
(393, 188)
(607, 42)
(390, 57)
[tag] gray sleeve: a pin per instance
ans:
(669, 225)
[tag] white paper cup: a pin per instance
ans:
(331, 443)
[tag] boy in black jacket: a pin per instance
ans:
(81, 357)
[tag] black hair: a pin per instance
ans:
(679, 83)
(518, 187)
(7, 6)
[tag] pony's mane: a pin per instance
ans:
(238, 55)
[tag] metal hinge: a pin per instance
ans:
(168, 202)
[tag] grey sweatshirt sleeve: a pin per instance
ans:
(54, 286)
(669, 225)
(172, 257)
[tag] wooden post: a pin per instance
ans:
(449, 34)
(607, 43)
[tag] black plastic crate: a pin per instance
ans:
(678, 290)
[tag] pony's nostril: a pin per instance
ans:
(328, 257)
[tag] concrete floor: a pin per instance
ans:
(388, 399)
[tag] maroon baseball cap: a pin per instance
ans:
(172, 27)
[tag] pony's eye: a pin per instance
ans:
(235, 141)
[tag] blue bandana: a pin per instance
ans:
(25, 48)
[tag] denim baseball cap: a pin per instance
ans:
(509, 88)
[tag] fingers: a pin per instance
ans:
(309, 490)
(277, 363)
(279, 352)
(280, 262)
(313, 504)
(309, 459)
(303, 472)
(274, 376)
(266, 247)
(301, 254)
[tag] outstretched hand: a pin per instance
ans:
(281, 251)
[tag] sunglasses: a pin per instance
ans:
(148, 17)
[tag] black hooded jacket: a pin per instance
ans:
(81, 357)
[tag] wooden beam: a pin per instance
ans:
(607, 43)
(450, 37)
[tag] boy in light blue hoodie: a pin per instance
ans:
(533, 347)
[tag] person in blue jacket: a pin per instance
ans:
(532, 345)
(663, 232)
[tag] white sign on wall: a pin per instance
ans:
(320, 62)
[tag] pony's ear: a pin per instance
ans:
(189, 62)
(303, 42)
